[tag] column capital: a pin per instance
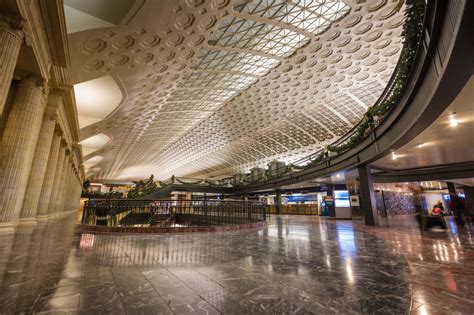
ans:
(32, 81)
(13, 24)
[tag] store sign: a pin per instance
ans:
(303, 198)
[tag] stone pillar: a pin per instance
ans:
(11, 38)
(54, 154)
(38, 170)
(58, 187)
(67, 201)
(278, 201)
(368, 202)
(64, 188)
(18, 148)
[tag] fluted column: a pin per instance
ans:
(38, 170)
(76, 194)
(54, 154)
(18, 147)
(55, 200)
(11, 38)
(64, 189)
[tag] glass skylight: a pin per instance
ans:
(202, 94)
(189, 106)
(313, 16)
(253, 35)
(218, 60)
(218, 80)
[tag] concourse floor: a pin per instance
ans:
(298, 264)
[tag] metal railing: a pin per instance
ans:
(172, 213)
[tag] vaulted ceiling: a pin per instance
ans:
(211, 88)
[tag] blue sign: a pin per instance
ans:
(302, 198)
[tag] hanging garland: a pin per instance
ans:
(412, 29)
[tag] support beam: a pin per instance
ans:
(278, 201)
(368, 201)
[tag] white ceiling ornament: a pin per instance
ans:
(218, 87)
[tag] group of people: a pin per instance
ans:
(456, 206)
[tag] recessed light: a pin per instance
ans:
(394, 156)
(420, 145)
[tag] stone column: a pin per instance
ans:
(58, 186)
(18, 148)
(56, 153)
(64, 188)
(368, 202)
(38, 170)
(11, 38)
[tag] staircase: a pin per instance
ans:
(162, 220)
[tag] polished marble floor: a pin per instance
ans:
(300, 265)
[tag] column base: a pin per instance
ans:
(27, 221)
(42, 218)
(7, 227)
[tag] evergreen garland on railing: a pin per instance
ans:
(412, 29)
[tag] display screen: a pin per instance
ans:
(342, 198)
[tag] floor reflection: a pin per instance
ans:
(295, 265)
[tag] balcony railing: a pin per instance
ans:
(172, 213)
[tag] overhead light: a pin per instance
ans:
(453, 122)
(338, 175)
(421, 145)
(394, 156)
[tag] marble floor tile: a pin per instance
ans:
(296, 265)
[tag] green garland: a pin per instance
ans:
(411, 33)
(412, 29)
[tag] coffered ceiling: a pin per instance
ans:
(211, 88)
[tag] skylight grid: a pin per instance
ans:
(202, 94)
(218, 80)
(189, 106)
(253, 35)
(218, 60)
(313, 16)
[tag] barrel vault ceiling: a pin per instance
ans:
(215, 87)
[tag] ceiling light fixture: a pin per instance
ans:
(421, 145)
(394, 156)
(453, 122)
